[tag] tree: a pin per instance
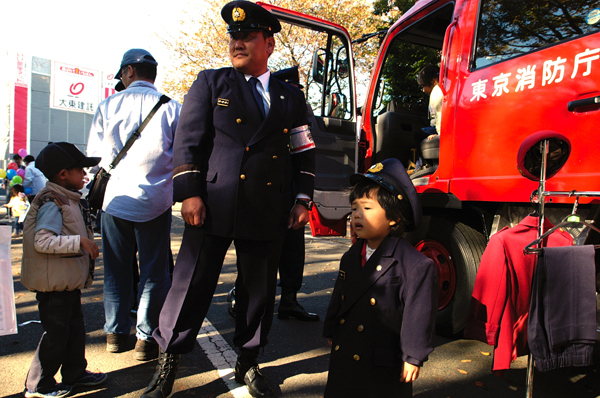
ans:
(203, 42)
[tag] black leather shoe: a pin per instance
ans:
(289, 307)
(164, 377)
(257, 384)
(299, 313)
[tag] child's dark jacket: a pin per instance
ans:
(379, 316)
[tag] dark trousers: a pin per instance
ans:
(63, 341)
(291, 262)
(195, 278)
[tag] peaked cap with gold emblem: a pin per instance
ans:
(391, 175)
(246, 16)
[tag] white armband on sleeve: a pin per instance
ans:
(48, 242)
(301, 140)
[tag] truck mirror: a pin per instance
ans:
(337, 105)
(318, 65)
(529, 157)
(342, 68)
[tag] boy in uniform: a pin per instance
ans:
(58, 261)
(381, 318)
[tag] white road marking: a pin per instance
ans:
(222, 356)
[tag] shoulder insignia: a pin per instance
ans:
(223, 102)
(342, 275)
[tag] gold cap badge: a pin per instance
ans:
(238, 14)
(376, 168)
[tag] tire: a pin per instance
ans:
(456, 250)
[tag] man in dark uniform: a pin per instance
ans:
(291, 262)
(241, 145)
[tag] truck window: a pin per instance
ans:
(339, 99)
(400, 106)
(509, 28)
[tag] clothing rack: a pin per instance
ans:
(535, 247)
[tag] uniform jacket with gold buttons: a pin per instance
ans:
(380, 315)
(240, 167)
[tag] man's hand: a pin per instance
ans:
(193, 211)
(89, 246)
(298, 217)
(410, 373)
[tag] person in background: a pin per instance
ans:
(381, 319)
(428, 79)
(58, 261)
(18, 205)
(136, 213)
(291, 262)
(34, 178)
(18, 160)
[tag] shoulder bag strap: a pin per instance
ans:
(163, 100)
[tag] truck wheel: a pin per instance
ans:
(456, 250)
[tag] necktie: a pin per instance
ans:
(259, 100)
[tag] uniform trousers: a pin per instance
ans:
(62, 344)
(195, 278)
(291, 263)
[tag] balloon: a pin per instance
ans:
(21, 172)
(12, 166)
(22, 152)
(2, 173)
(11, 173)
(28, 191)
(12, 183)
(17, 179)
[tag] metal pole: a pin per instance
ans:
(541, 202)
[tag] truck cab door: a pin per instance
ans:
(329, 87)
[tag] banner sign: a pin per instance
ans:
(75, 89)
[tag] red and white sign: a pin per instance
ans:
(75, 89)
(20, 121)
(108, 85)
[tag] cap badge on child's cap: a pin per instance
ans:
(238, 14)
(376, 168)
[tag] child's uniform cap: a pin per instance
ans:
(62, 155)
(391, 175)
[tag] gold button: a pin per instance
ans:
(343, 297)
(243, 177)
(248, 148)
(361, 328)
(274, 157)
(342, 321)
(356, 358)
(337, 347)
(285, 131)
(269, 184)
(239, 121)
(373, 301)
(378, 268)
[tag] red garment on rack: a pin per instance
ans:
(500, 302)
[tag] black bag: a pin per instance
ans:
(95, 195)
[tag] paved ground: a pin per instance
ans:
(296, 359)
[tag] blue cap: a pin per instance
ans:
(246, 16)
(135, 56)
(391, 175)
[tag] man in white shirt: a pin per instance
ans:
(34, 178)
(137, 203)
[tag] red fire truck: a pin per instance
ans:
(508, 69)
